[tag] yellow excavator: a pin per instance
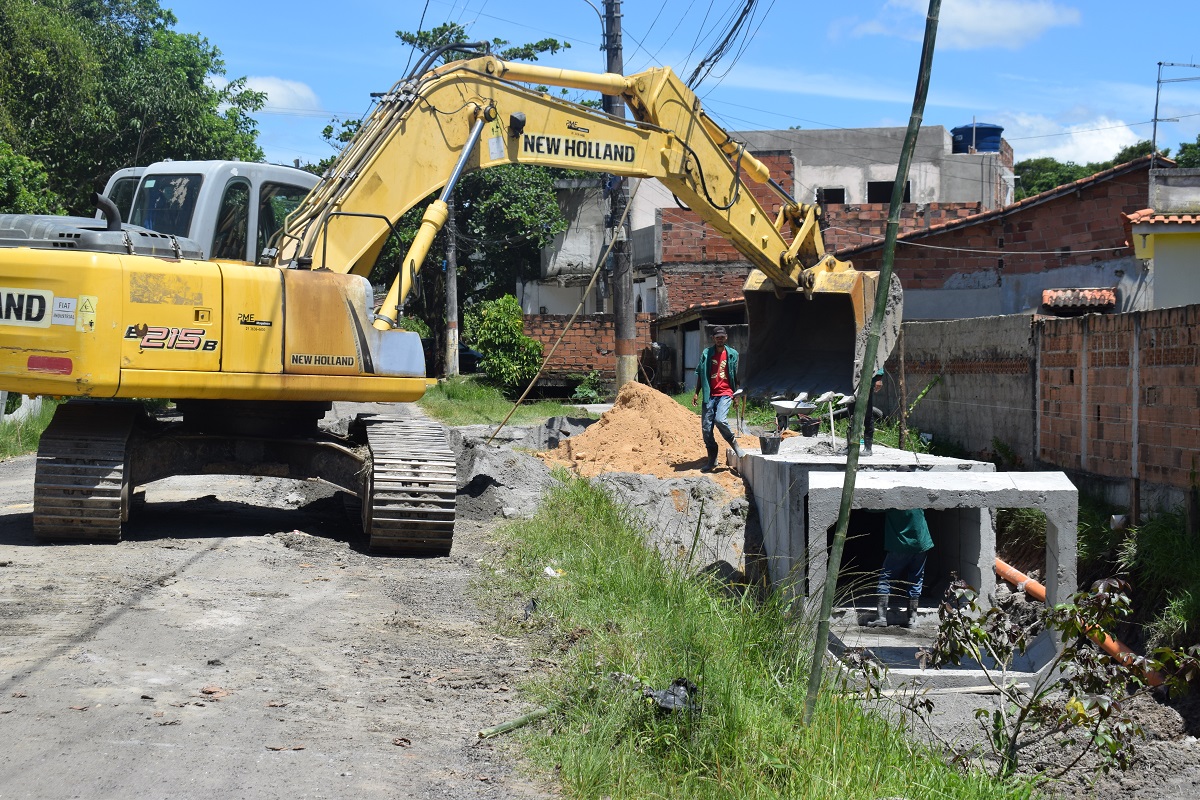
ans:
(254, 353)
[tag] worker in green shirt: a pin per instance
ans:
(906, 542)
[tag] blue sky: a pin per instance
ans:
(1072, 79)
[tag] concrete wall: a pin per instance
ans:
(1176, 191)
(1176, 269)
(575, 251)
(554, 297)
(985, 369)
(849, 158)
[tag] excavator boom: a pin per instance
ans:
(806, 308)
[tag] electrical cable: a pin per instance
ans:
(1001, 252)
(412, 50)
(710, 60)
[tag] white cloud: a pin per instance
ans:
(284, 95)
(973, 24)
(746, 76)
(1098, 139)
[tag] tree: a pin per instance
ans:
(24, 185)
(1189, 155)
(89, 86)
(1143, 148)
(1037, 175)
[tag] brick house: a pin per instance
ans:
(1001, 261)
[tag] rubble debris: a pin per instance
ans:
(679, 696)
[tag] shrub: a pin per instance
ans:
(496, 329)
(590, 389)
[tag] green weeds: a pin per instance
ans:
(20, 437)
(464, 400)
(615, 620)
(1163, 562)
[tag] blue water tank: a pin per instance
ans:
(987, 138)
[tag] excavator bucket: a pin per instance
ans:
(815, 344)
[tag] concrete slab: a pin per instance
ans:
(797, 495)
(780, 484)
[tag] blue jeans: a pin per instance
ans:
(716, 409)
(906, 568)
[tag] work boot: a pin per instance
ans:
(911, 619)
(880, 620)
(737, 451)
(711, 464)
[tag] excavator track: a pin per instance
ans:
(413, 483)
(81, 484)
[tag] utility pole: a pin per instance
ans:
(451, 290)
(625, 322)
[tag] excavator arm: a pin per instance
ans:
(480, 113)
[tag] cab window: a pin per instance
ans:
(233, 222)
(165, 203)
(122, 194)
(275, 202)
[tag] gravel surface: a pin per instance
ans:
(240, 644)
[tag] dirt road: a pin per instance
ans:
(238, 645)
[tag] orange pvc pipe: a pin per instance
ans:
(1108, 644)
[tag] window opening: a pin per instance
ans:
(275, 202)
(233, 222)
(165, 203)
(881, 191)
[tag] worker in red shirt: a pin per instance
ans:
(716, 379)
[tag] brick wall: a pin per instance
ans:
(855, 225)
(1101, 374)
(682, 286)
(589, 344)
(687, 239)
(1079, 228)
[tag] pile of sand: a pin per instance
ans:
(646, 432)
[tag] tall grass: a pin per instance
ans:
(1163, 560)
(20, 437)
(466, 400)
(615, 620)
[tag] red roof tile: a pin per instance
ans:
(1148, 216)
(1079, 298)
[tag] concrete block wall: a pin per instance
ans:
(984, 369)
(589, 345)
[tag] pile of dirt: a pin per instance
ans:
(646, 432)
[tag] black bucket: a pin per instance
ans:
(769, 445)
(810, 427)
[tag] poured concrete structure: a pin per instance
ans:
(797, 494)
